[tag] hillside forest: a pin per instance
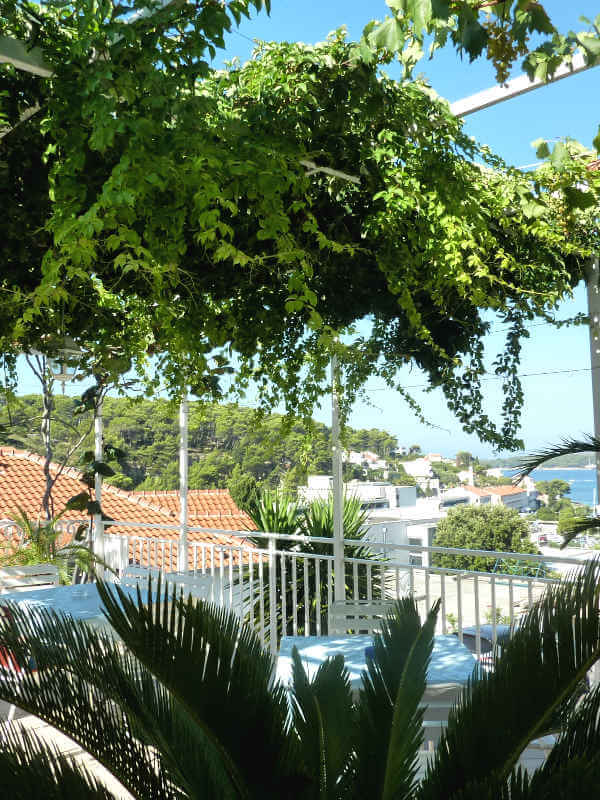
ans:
(229, 445)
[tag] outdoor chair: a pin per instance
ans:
(199, 585)
(138, 576)
(26, 578)
(357, 616)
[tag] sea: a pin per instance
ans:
(581, 480)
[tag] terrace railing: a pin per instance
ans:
(284, 585)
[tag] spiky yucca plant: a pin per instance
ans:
(277, 512)
(184, 705)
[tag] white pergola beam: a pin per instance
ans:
(515, 87)
(14, 52)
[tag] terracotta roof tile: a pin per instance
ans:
(476, 490)
(505, 490)
(22, 487)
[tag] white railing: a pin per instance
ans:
(284, 585)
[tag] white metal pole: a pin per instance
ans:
(182, 554)
(593, 293)
(98, 455)
(515, 87)
(338, 487)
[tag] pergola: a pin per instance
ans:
(32, 60)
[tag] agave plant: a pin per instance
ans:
(279, 513)
(184, 705)
(567, 447)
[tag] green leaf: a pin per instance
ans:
(596, 142)
(577, 198)
(560, 155)
(390, 35)
(541, 148)
(102, 468)
(78, 502)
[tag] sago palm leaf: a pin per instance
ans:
(71, 661)
(30, 769)
(567, 447)
(572, 528)
(389, 730)
(323, 719)
(100, 695)
(216, 668)
(540, 671)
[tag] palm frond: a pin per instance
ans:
(580, 736)
(33, 770)
(567, 447)
(87, 686)
(571, 529)
(540, 671)
(389, 717)
(323, 718)
(217, 669)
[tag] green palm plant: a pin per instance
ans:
(183, 705)
(567, 447)
(278, 512)
(43, 542)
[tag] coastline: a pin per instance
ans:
(561, 469)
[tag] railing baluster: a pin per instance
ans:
(261, 597)
(294, 597)
(511, 601)
(221, 575)
(272, 595)
(494, 613)
(443, 607)
(241, 579)
(283, 596)
(477, 620)
(459, 607)
(306, 599)
(329, 589)
(355, 581)
(318, 595)
(369, 582)
(251, 586)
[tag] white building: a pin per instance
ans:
(373, 494)
(365, 459)
(418, 468)
(410, 525)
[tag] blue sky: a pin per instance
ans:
(556, 404)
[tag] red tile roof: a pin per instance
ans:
(476, 490)
(505, 490)
(204, 506)
(22, 487)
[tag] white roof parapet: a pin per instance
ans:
(514, 87)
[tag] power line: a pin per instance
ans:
(496, 378)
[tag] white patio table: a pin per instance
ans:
(81, 601)
(451, 662)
